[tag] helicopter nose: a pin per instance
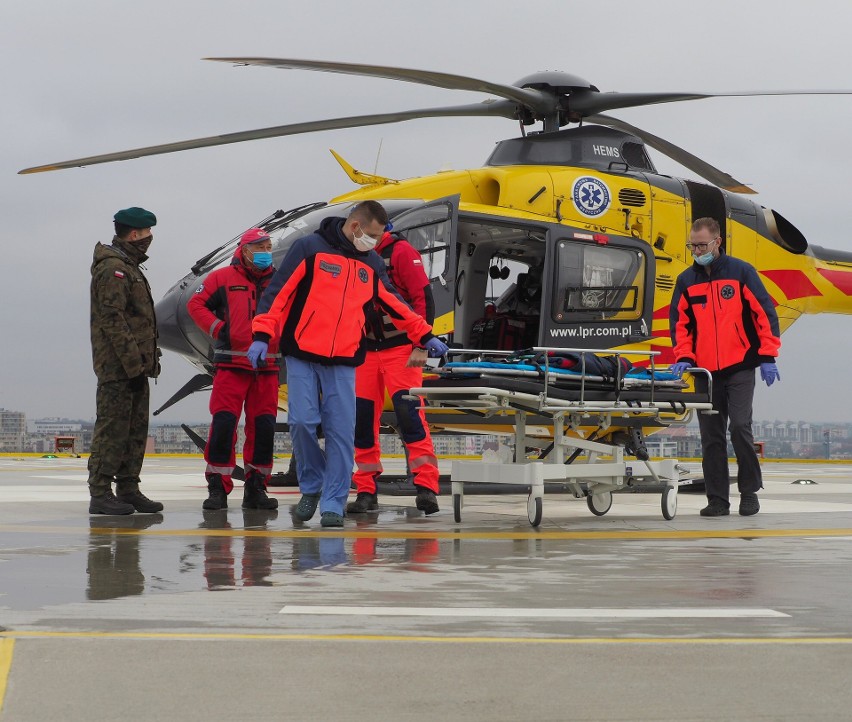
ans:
(177, 331)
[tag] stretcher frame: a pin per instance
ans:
(605, 469)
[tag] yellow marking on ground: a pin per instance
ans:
(190, 636)
(7, 647)
(663, 534)
(378, 534)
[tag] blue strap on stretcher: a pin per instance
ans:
(634, 373)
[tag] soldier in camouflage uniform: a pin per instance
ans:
(125, 355)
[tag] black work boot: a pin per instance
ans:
(216, 496)
(106, 503)
(426, 500)
(364, 502)
(254, 494)
(140, 502)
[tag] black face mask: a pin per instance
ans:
(143, 244)
(134, 251)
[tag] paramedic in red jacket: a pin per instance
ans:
(392, 363)
(722, 319)
(223, 306)
(318, 300)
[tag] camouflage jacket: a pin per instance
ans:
(123, 325)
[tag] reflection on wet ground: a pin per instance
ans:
(625, 616)
(792, 557)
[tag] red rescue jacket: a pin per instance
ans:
(405, 270)
(320, 295)
(724, 321)
(224, 305)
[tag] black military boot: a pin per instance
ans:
(140, 502)
(216, 496)
(254, 493)
(106, 503)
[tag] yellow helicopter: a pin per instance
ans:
(567, 237)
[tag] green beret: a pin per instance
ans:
(136, 218)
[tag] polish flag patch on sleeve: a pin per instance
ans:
(119, 274)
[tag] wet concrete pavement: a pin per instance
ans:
(197, 615)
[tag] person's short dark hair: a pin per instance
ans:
(123, 231)
(711, 224)
(370, 211)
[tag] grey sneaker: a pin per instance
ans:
(749, 505)
(331, 519)
(306, 507)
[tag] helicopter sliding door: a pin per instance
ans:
(431, 229)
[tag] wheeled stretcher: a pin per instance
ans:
(587, 423)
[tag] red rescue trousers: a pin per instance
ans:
(387, 370)
(234, 389)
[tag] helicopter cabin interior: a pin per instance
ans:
(512, 284)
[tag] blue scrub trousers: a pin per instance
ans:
(319, 394)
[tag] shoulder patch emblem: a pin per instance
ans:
(200, 288)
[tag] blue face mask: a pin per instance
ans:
(704, 260)
(262, 259)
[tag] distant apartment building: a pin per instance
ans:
(13, 430)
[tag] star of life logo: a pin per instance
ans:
(727, 292)
(591, 196)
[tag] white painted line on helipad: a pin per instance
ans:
(527, 613)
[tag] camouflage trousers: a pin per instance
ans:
(119, 438)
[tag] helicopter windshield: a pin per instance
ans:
(300, 222)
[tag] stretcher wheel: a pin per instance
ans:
(669, 503)
(534, 509)
(599, 504)
(457, 507)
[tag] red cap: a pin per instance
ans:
(254, 235)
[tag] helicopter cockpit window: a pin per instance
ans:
(283, 236)
(295, 224)
(598, 283)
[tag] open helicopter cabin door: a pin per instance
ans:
(431, 229)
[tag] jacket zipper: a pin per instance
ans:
(342, 303)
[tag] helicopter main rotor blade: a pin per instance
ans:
(585, 102)
(502, 108)
(528, 97)
(685, 158)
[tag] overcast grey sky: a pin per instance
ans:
(96, 76)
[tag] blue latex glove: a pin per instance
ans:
(436, 347)
(257, 353)
(769, 373)
(678, 368)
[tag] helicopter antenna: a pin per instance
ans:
(378, 153)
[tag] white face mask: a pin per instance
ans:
(364, 242)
